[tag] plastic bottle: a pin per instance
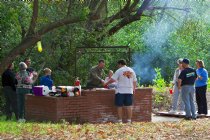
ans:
(77, 84)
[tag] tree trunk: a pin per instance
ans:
(25, 44)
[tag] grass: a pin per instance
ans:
(198, 129)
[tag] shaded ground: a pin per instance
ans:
(180, 130)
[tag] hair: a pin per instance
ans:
(111, 71)
(101, 61)
(10, 65)
(27, 58)
(200, 63)
(22, 66)
(179, 61)
(122, 62)
(47, 70)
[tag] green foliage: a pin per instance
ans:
(161, 97)
(159, 82)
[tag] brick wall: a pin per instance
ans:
(92, 107)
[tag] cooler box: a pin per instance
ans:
(40, 90)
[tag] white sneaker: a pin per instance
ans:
(182, 112)
(129, 121)
(172, 111)
(21, 120)
(119, 121)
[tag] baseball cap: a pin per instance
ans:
(186, 61)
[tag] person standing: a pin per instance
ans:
(201, 87)
(186, 84)
(126, 84)
(27, 61)
(31, 70)
(9, 90)
(95, 76)
(46, 79)
(177, 93)
(24, 86)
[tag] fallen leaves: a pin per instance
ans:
(198, 129)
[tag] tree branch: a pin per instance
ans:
(32, 26)
(57, 24)
(127, 20)
(169, 8)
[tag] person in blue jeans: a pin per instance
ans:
(177, 101)
(201, 87)
(46, 79)
(186, 83)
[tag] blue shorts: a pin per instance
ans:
(123, 99)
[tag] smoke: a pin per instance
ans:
(159, 32)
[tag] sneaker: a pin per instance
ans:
(194, 118)
(119, 121)
(129, 121)
(172, 111)
(187, 118)
(182, 112)
(21, 120)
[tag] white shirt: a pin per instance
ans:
(125, 76)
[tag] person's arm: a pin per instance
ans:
(181, 76)
(134, 82)
(134, 87)
(203, 76)
(109, 82)
(174, 78)
(179, 83)
(93, 74)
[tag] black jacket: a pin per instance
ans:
(8, 79)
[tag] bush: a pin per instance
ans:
(161, 96)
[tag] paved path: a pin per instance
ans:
(156, 118)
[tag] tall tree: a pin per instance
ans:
(105, 24)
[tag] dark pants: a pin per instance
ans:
(21, 101)
(11, 102)
(201, 99)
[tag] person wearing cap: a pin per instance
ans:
(126, 84)
(201, 87)
(95, 76)
(46, 79)
(186, 81)
(9, 89)
(24, 86)
(177, 93)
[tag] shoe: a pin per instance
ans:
(8, 118)
(187, 118)
(129, 121)
(172, 111)
(119, 121)
(194, 118)
(182, 112)
(21, 120)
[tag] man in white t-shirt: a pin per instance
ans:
(126, 84)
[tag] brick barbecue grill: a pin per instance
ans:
(92, 107)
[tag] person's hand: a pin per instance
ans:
(35, 74)
(134, 91)
(103, 82)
